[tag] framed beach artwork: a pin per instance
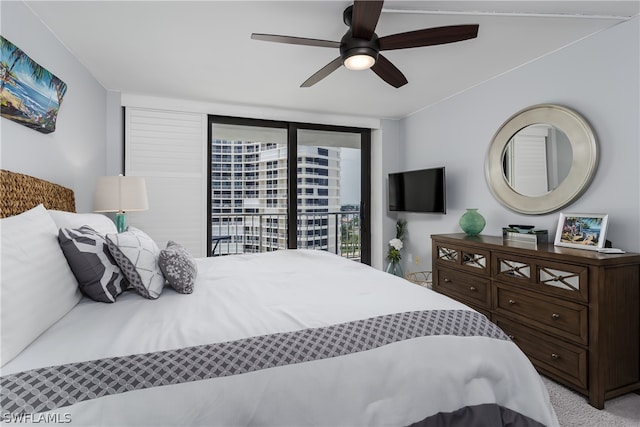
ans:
(582, 231)
(30, 94)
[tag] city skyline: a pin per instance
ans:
(249, 201)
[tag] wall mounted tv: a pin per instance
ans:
(418, 191)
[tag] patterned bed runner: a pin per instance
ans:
(45, 389)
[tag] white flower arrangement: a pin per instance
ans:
(395, 245)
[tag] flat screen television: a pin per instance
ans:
(418, 191)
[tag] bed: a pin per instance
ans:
(285, 338)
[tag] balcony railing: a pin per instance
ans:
(337, 232)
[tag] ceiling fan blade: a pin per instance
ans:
(388, 72)
(323, 72)
(429, 37)
(294, 40)
(365, 18)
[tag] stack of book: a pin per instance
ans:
(524, 234)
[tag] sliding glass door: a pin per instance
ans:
(277, 185)
(329, 191)
(248, 179)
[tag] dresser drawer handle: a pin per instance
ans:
(555, 356)
(512, 302)
(473, 288)
(511, 337)
(447, 280)
(555, 316)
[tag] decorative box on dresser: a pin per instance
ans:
(575, 313)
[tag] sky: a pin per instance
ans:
(349, 176)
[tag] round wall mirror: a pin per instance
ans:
(537, 159)
(541, 159)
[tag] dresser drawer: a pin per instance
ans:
(465, 287)
(559, 279)
(549, 354)
(474, 260)
(562, 318)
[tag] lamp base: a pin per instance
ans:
(121, 222)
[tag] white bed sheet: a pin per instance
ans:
(256, 294)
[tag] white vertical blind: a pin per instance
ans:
(530, 161)
(169, 149)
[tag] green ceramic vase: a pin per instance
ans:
(472, 222)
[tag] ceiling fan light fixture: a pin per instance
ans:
(360, 46)
(359, 62)
(358, 54)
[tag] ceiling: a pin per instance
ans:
(202, 50)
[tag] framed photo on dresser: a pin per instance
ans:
(582, 231)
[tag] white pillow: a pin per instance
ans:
(137, 256)
(100, 223)
(38, 287)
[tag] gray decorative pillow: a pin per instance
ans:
(178, 267)
(137, 256)
(98, 274)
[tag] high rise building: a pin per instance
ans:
(249, 196)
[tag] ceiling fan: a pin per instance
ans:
(360, 46)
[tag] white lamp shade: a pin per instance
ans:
(120, 194)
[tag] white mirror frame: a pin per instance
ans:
(583, 165)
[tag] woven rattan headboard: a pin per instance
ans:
(23, 192)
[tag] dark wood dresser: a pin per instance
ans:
(575, 313)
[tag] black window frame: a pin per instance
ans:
(292, 173)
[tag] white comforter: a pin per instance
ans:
(249, 295)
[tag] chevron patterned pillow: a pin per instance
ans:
(98, 274)
(137, 256)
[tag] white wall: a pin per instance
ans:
(73, 155)
(598, 77)
(114, 149)
(391, 149)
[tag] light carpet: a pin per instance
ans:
(573, 410)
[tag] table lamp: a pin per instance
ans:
(120, 194)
